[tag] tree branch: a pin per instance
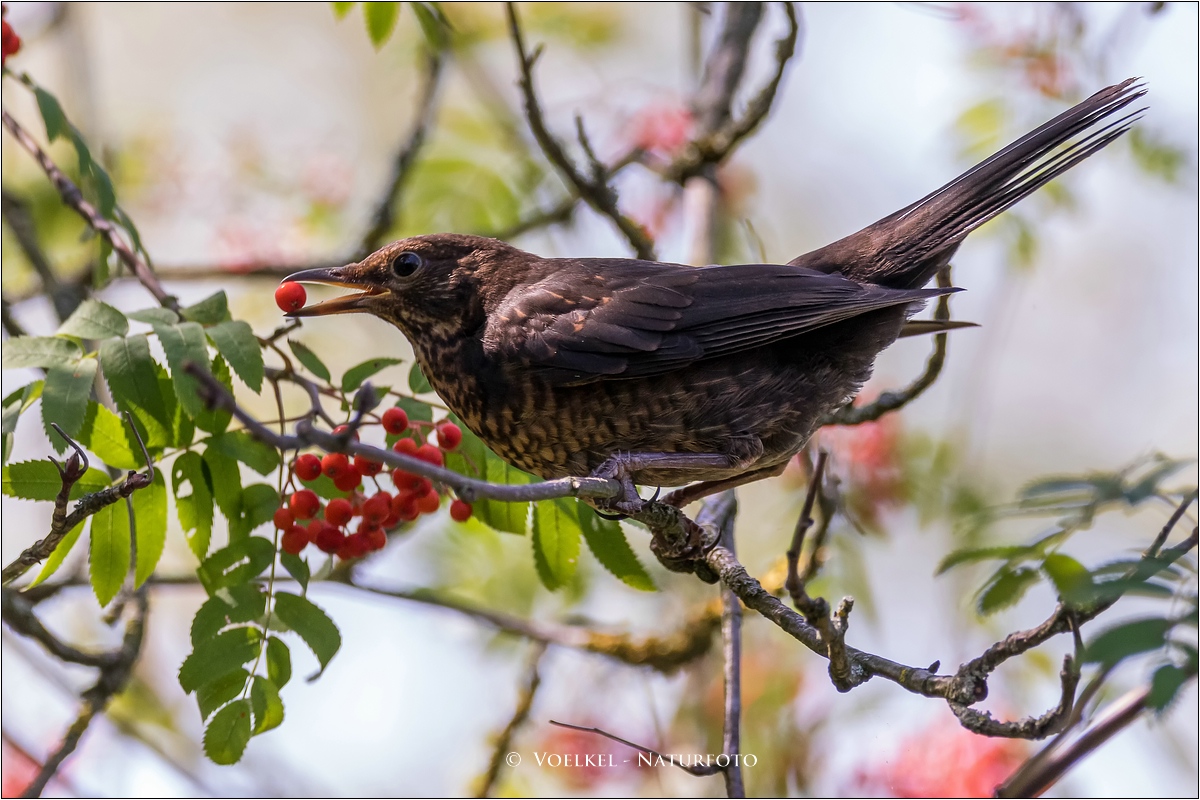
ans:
(520, 715)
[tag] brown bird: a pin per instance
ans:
(664, 374)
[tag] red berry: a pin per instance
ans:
(343, 429)
(430, 454)
(460, 511)
(304, 504)
(330, 539)
(11, 42)
(314, 528)
(335, 464)
(290, 297)
(428, 503)
(406, 447)
(376, 538)
(377, 508)
(366, 466)
(404, 506)
(349, 480)
(284, 518)
(395, 421)
(422, 487)
(449, 435)
(338, 511)
(308, 467)
(294, 540)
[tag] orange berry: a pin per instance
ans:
(304, 504)
(395, 420)
(290, 297)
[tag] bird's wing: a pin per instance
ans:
(593, 319)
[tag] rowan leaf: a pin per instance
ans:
(94, 319)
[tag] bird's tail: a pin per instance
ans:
(905, 249)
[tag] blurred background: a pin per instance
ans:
(247, 137)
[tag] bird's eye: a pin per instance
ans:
(406, 264)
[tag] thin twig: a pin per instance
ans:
(503, 744)
(699, 770)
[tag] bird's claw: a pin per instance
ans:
(626, 504)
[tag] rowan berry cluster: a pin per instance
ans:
(357, 524)
(10, 43)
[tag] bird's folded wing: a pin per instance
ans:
(594, 319)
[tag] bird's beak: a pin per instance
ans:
(337, 276)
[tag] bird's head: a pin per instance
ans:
(435, 284)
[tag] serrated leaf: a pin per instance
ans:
(309, 359)
(132, 380)
(608, 544)
(239, 562)
(217, 657)
(193, 501)
(1165, 685)
(15, 404)
(59, 554)
(297, 567)
(184, 343)
(279, 661)
(225, 478)
(212, 696)
(109, 551)
(52, 114)
(231, 605)
(1005, 588)
(39, 480)
(40, 351)
(240, 445)
(381, 21)
(1070, 578)
(417, 382)
(107, 435)
(505, 517)
(259, 502)
(65, 398)
(975, 554)
(155, 316)
(355, 376)
(266, 704)
(312, 624)
(555, 542)
(94, 319)
(237, 343)
(216, 420)
(227, 734)
(1127, 639)
(150, 515)
(209, 311)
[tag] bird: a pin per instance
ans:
(666, 375)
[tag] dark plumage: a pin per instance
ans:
(710, 373)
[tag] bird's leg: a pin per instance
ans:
(623, 466)
(696, 491)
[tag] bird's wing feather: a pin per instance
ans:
(593, 319)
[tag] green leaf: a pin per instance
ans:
(226, 736)
(381, 21)
(65, 398)
(1005, 588)
(259, 502)
(132, 380)
(107, 435)
(240, 445)
(1165, 685)
(505, 517)
(309, 359)
(231, 605)
(216, 420)
(340, 10)
(52, 114)
(268, 708)
(193, 501)
(433, 24)
(355, 376)
(39, 480)
(279, 661)
(155, 316)
(14, 406)
(323, 487)
(555, 542)
(59, 555)
(209, 311)
(94, 320)
(108, 556)
(184, 343)
(312, 624)
(217, 657)
(150, 515)
(608, 544)
(972, 555)
(212, 696)
(297, 567)
(1127, 639)
(240, 562)
(1070, 578)
(417, 382)
(226, 481)
(237, 343)
(40, 351)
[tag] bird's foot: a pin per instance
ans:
(627, 504)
